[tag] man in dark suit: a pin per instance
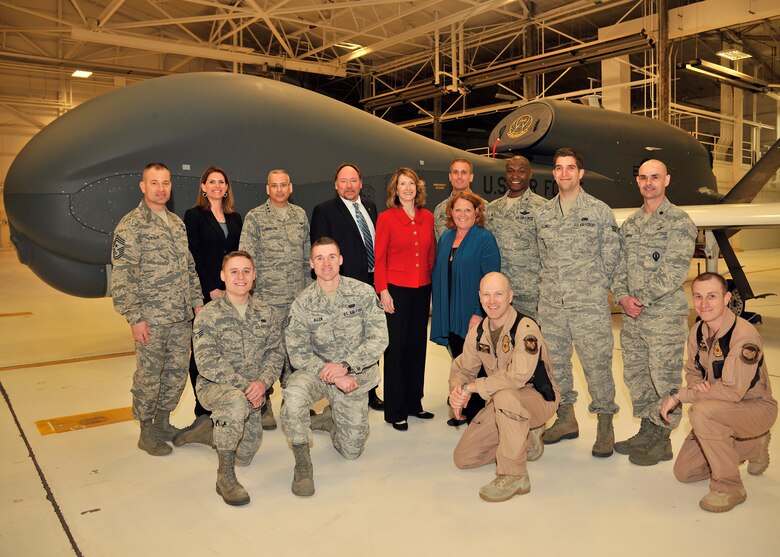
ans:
(351, 221)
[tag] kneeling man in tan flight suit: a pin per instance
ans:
(732, 409)
(519, 389)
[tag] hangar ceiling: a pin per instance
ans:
(407, 61)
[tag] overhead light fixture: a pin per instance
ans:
(81, 73)
(726, 75)
(348, 46)
(561, 59)
(551, 61)
(734, 54)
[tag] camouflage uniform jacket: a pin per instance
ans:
(280, 248)
(153, 277)
(656, 257)
(440, 218)
(515, 230)
(578, 252)
(352, 328)
(234, 351)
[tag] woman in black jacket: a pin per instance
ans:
(213, 230)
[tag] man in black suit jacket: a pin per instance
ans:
(337, 219)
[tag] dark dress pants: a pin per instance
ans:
(404, 366)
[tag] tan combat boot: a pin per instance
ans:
(657, 448)
(628, 445)
(162, 425)
(199, 431)
(758, 466)
(504, 487)
(565, 426)
(149, 442)
(303, 475)
(267, 410)
(323, 421)
(535, 448)
(605, 437)
(720, 502)
(232, 492)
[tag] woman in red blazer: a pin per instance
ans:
(404, 250)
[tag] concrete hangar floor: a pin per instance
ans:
(90, 491)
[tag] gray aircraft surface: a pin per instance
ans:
(67, 189)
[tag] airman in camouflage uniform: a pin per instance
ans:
(278, 232)
(579, 247)
(658, 242)
(461, 176)
(512, 221)
(238, 349)
(336, 333)
(155, 287)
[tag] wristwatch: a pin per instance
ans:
(465, 388)
(673, 394)
(346, 365)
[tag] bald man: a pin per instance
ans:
(657, 246)
(519, 391)
(512, 220)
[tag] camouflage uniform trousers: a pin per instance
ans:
(161, 371)
(283, 309)
(350, 413)
(237, 426)
(653, 348)
(589, 330)
(526, 305)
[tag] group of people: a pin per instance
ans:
(511, 334)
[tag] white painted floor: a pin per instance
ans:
(402, 497)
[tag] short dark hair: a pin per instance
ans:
(155, 166)
(345, 165)
(569, 152)
(707, 276)
(236, 253)
(325, 241)
(471, 166)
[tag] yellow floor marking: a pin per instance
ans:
(19, 314)
(84, 421)
(68, 361)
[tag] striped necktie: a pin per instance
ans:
(366, 233)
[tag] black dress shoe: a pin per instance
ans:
(455, 422)
(423, 415)
(374, 402)
(401, 426)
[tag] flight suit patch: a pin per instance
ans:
(716, 351)
(483, 347)
(531, 344)
(505, 344)
(749, 354)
